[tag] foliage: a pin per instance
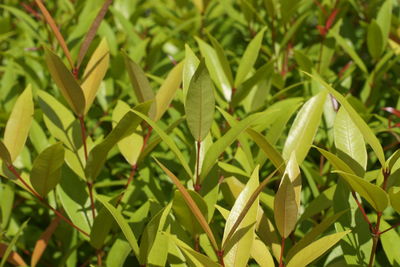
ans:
(199, 133)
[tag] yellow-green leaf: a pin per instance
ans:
(368, 134)
(46, 170)
(200, 103)
(310, 253)
(375, 195)
(261, 254)
(19, 123)
(167, 91)
(337, 163)
(69, 87)
(94, 73)
(189, 68)
(130, 146)
(394, 195)
(374, 40)
(304, 128)
(293, 172)
(237, 250)
(285, 208)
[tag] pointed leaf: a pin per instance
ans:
(189, 68)
(94, 73)
(67, 84)
(126, 229)
(19, 123)
(375, 195)
(249, 58)
(337, 163)
(8, 252)
(374, 40)
(46, 170)
(310, 253)
(4, 154)
(167, 90)
(200, 103)
(394, 195)
(304, 128)
(237, 251)
(193, 206)
(285, 208)
(126, 126)
(261, 254)
(368, 134)
(14, 258)
(384, 20)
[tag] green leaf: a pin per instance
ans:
(101, 228)
(183, 214)
(310, 253)
(69, 87)
(46, 170)
(337, 163)
(293, 172)
(4, 154)
(249, 58)
(126, 126)
(394, 195)
(314, 233)
(167, 91)
(118, 253)
(218, 147)
(189, 68)
(215, 66)
(368, 134)
(374, 40)
(94, 73)
(140, 83)
(12, 243)
(384, 20)
(389, 241)
(349, 142)
(285, 208)
(375, 195)
(19, 123)
(154, 243)
(261, 254)
(130, 146)
(192, 204)
(200, 103)
(197, 258)
(304, 128)
(122, 223)
(238, 247)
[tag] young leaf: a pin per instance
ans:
(43, 241)
(69, 87)
(238, 247)
(46, 170)
(167, 90)
(375, 195)
(18, 124)
(349, 142)
(368, 134)
(94, 73)
(189, 68)
(126, 229)
(193, 206)
(310, 253)
(374, 40)
(131, 145)
(200, 103)
(304, 128)
(249, 58)
(285, 208)
(124, 128)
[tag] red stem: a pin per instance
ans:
(362, 211)
(281, 264)
(197, 186)
(41, 199)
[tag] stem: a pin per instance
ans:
(99, 254)
(197, 185)
(281, 264)
(92, 206)
(131, 175)
(390, 228)
(220, 255)
(42, 200)
(371, 228)
(197, 243)
(375, 239)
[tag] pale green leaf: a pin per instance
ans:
(19, 123)
(375, 195)
(46, 170)
(384, 20)
(94, 72)
(261, 254)
(394, 195)
(249, 58)
(368, 134)
(167, 91)
(337, 163)
(285, 208)
(200, 103)
(238, 247)
(390, 241)
(374, 40)
(189, 68)
(123, 224)
(310, 253)
(69, 87)
(304, 128)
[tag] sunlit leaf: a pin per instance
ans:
(285, 208)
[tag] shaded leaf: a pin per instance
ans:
(394, 195)
(189, 68)
(374, 40)
(8, 252)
